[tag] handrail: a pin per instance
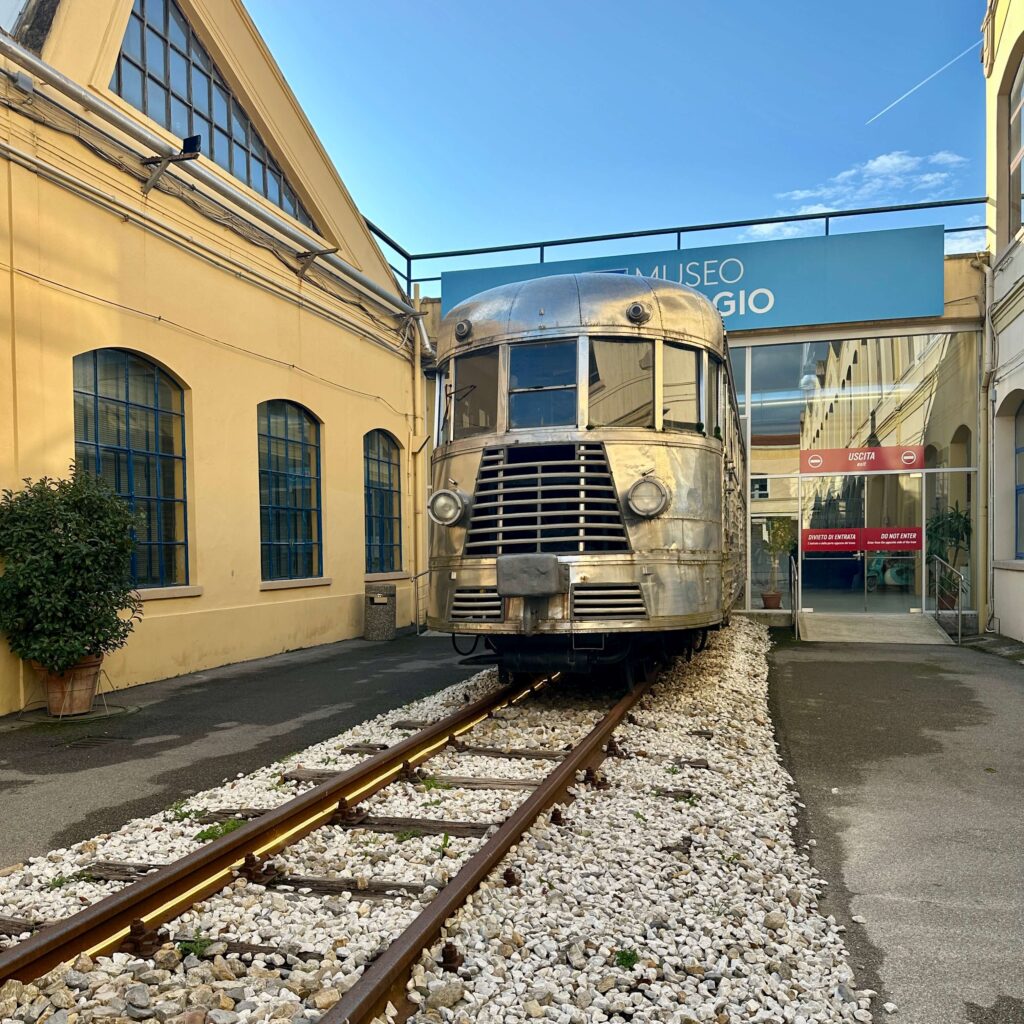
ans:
(825, 216)
(416, 597)
(794, 595)
(950, 583)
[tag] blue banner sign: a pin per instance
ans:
(788, 282)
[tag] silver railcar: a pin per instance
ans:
(587, 500)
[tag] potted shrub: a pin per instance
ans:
(949, 536)
(778, 542)
(66, 594)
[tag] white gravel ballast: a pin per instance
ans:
(655, 906)
(675, 895)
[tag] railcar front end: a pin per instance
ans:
(587, 504)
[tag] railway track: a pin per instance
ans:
(133, 919)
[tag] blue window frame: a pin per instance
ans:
(164, 71)
(381, 479)
(1019, 478)
(290, 523)
(130, 430)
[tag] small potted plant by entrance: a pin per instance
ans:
(949, 537)
(66, 595)
(778, 542)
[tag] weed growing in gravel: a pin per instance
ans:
(627, 958)
(407, 834)
(58, 881)
(673, 769)
(178, 811)
(639, 817)
(429, 782)
(197, 945)
(444, 844)
(218, 829)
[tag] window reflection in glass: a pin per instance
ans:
(621, 383)
(542, 385)
(681, 387)
(475, 400)
(865, 392)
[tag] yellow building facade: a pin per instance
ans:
(220, 334)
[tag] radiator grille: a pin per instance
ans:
(545, 498)
(608, 601)
(476, 604)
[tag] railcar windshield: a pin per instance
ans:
(621, 382)
(475, 395)
(542, 385)
(681, 406)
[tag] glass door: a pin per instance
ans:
(832, 557)
(892, 543)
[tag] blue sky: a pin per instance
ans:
(465, 123)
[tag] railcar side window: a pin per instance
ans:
(542, 385)
(714, 416)
(682, 387)
(621, 383)
(475, 398)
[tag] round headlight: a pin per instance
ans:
(445, 508)
(648, 497)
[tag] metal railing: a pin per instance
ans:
(794, 595)
(408, 260)
(419, 602)
(949, 587)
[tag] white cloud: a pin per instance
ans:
(886, 179)
(966, 241)
(947, 159)
(882, 179)
(897, 163)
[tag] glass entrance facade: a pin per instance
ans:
(862, 540)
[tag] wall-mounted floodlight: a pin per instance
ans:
(190, 147)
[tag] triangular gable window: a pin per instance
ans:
(164, 71)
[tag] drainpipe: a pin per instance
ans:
(159, 146)
(986, 483)
(416, 458)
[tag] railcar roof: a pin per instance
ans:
(572, 304)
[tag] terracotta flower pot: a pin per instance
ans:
(771, 598)
(71, 692)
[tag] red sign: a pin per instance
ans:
(834, 539)
(857, 538)
(892, 538)
(862, 460)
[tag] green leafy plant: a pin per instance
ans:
(779, 541)
(445, 841)
(627, 958)
(197, 945)
(406, 834)
(429, 782)
(66, 591)
(218, 829)
(949, 537)
(179, 812)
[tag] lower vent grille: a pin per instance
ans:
(608, 601)
(476, 604)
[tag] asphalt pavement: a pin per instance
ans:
(909, 762)
(62, 783)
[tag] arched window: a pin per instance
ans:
(290, 535)
(130, 430)
(1018, 444)
(381, 478)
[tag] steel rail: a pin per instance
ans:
(167, 893)
(384, 979)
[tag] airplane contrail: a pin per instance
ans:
(924, 81)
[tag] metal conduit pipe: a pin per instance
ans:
(159, 146)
